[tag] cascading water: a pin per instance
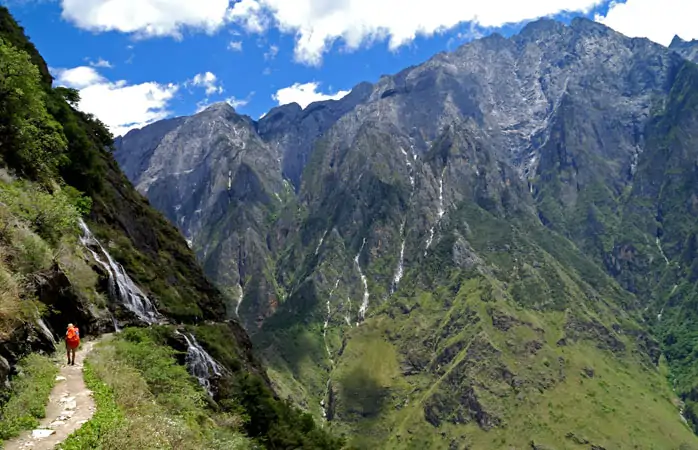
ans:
(400, 270)
(323, 405)
(114, 322)
(439, 212)
(661, 251)
(347, 315)
(322, 239)
(240, 297)
(364, 303)
(410, 169)
(200, 364)
(400, 263)
(121, 287)
(327, 321)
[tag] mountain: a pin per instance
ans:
(79, 244)
(487, 250)
(687, 49)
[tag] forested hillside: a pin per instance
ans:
(79, 244)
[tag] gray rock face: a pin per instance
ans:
(687, 49)
(213, 176)
(293, 131)
(522, 125)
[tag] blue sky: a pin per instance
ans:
(137, 61)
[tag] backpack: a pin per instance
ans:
(73, 335)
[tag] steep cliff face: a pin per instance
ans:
(687, 49)
(464, 242)
(214, 178)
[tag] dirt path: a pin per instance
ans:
(70, 406)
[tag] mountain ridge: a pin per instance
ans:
(458, 239)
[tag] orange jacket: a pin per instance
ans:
(73, 335)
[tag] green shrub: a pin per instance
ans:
(51, 215)
(146, 400)
(30, 138)
(32, 254)
(28, 395)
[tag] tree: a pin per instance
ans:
(31, 141)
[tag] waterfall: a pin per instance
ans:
(441, 194)
(347, 315)
(439, 212)
(322, 239)
(114, 322)
(661, 250)
(121, 287)
(400, 263)
(327, 321)
(364, 303)
(200, 364)
(399, 271)
(410, 170)
(240, 297)
(327, 349)
(324, 406)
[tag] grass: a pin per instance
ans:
(146, 400)
(28, 395)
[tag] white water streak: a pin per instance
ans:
(241, 295)
(399, 272)
(364, 303)
(327, 348)
(439, 212)
(327, 322)
(200, 364)
(322, 239)
(347, 315)
(661, 251)
(121, 286)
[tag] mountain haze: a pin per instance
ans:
(491, 249)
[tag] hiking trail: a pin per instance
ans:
(70, 406)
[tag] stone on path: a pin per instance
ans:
(41, 433)
(60, 378)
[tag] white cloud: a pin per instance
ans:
(304, 94)
(658, 21)
(250, 15)
(237, 102)
(235, 46)
(207, 80)
(121, 106)
(146, 17)
(319, 23)
(78, 77)
(271, 53)
(103, 63)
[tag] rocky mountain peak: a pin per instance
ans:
(677, 42)
(687, 49)
(219, 108)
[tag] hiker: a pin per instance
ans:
(72, 341)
